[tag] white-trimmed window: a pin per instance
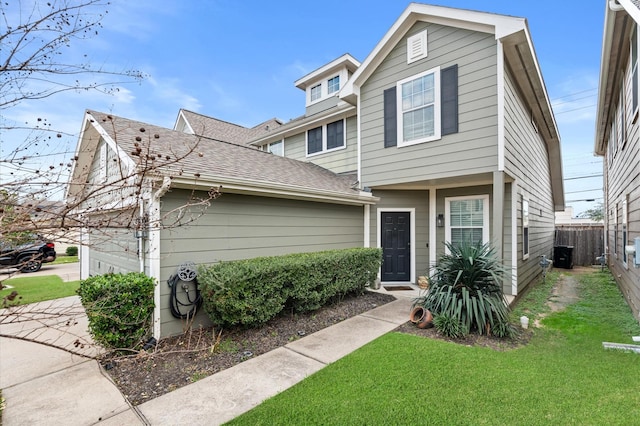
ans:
(418, 100)
(333, 84)
(326, 138)
(525, 228)
(315, 92)
(634, 70)
(615, 231)
(467, 219)
(625, 239)
(276, 148)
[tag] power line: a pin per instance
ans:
(584, 190)
(575, 93)
(584, 177)
(575, 109)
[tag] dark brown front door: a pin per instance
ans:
(396, 246)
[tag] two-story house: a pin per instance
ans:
(617, 140)
(443, 133)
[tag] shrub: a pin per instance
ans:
(466, 285)
(448, 325)
(119, 308)
(72, 251)
(251, 292)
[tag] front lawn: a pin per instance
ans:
(64, 259)
(38, 289)
(563, 376)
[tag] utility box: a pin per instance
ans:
(563, 257)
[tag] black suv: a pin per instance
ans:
(27, 257)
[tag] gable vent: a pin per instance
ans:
(417, 47)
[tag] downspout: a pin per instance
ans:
(154, 251)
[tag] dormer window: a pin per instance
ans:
(333, 84)
(316, 92)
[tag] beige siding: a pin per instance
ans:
(419, 200)
(322, 105)
(339, 161)
(242, 227)
(622, 182)
(473, 149)
(526, 160)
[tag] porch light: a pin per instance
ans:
(440, 220)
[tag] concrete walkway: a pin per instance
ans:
(43, 385)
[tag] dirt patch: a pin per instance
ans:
(492, 342)
(184, 359)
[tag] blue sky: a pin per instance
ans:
(237, 61)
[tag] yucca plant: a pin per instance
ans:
(466, 285)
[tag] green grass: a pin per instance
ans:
(563, 376)
(64, 259)
(38, 289)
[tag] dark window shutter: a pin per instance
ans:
(314, 140)
(390, 118)
(449, 99)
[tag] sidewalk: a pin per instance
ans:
(44, 385)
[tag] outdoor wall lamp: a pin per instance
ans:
(440, 220)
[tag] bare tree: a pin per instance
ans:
(34, 43)
(45, 189)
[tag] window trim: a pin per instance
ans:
(311, 99)
(329, 86)
(485, 216)
(635, 87)
(625, 232)
(615, 231)
(324, 139)
(268, 147)
(437, 107)
(526, 248)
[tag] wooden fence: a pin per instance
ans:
(587, 242)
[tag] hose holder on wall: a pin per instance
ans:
(185, 299)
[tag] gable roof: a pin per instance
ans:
(619, 16)
(193, 161)
(224, 131)
(343, 61)
(518, 53)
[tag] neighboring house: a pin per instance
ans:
(617, 140)
(568, 218)
(445, 132)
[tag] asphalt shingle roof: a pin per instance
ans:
(228, 132)
(214, 160)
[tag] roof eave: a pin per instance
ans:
(304, 123)
(269, 189)
(612, 43)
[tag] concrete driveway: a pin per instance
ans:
(66, 271)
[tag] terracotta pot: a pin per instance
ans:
(421, 317)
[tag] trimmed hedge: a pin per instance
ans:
(119, 308)
(253, 291)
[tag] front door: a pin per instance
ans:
(396, 246)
